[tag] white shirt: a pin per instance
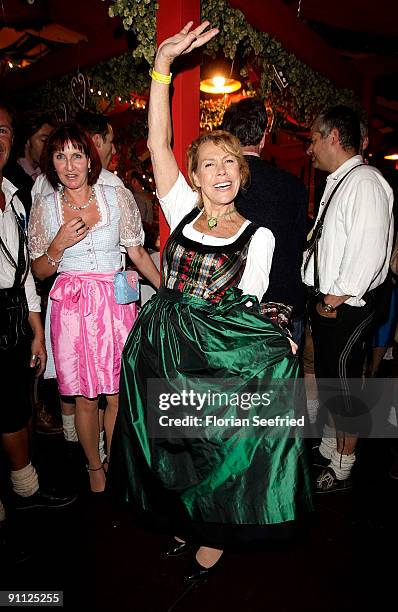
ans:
(9, 235)
(181, 199)
(355, 247)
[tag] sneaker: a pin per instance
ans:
(327, 482)
(317, 459)
(46, 501)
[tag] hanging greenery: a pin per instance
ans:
(307, 92)
(139, 16)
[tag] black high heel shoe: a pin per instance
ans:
(197, 573)
(96, 494)
(175, 549)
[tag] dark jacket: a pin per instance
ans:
(277, 200)
(22, 181)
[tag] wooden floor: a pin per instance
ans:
(102, 560)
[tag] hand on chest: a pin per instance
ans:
(90, 217)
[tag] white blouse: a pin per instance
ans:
(181, 199)
(119, 224)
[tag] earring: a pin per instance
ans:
(89, 170)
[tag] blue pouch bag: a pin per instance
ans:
(126, 287)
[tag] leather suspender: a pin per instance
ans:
(312, 248)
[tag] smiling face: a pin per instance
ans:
(217, 174)
(6, 135)
(71, 166)
(320, 150)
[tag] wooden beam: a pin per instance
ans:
(58, 63)
(275, 18)
(186, 93)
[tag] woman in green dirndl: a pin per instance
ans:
(201, 366)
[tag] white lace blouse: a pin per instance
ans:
(119, 225)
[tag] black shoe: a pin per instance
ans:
(197, 573)
(175, 549)
(327, 482)
(317, 459)
(46, 501)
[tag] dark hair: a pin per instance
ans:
(247, 120)
(33, 122)
(93, 123)
(73, 133)
(5, 104)
(345, 120)
(226, 141)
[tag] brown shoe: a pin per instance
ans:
(44, 422)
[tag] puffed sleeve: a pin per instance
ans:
(255, 278)
(131, 232)
(180, 200)
(39, 237)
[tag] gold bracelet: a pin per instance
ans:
(160, 78)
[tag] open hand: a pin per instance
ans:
(185, 41)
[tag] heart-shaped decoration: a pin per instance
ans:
(79, 86)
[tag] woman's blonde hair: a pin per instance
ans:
(226, 141)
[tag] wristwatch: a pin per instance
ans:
(327, 307)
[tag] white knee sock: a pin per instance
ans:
(342, 464)
(329, 442)
(68, 424)
(2, 512)
(25, 482)
(312, 410)
(101, 447)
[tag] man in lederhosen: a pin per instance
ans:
(21, 339)
(347, 259)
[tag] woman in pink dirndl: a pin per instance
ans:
(77, 231)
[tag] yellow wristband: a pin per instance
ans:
(160, 78)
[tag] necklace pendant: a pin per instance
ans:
(212, 222)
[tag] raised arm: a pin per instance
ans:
(159, 119)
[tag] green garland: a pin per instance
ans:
(308, 91)
(139, 16)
